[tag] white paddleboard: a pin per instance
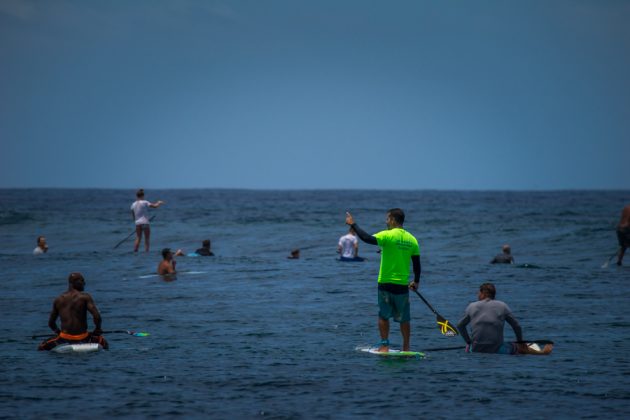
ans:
(77, 348)
(391, 352)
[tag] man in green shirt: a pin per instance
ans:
(398, 247)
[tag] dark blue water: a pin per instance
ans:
(251, 334)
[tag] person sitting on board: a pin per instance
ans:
(42, 246)
(623, 233)
(398, 248)
(167, 265)
(487, 318)
(140, 214)
(72, 307)
(205, 251)
(348, 247)
(504, 258)
(295, 255)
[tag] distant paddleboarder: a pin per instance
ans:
(399, 248)
(623, 233)
(72, 308)
(487, 318)
(504, 258)
(140, 214)
(348, 247)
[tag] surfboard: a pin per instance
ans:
(77, 348)
(538, 348)
(393, 353)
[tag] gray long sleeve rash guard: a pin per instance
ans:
(487, 318)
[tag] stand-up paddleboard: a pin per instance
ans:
(77, 348)
(393, 353)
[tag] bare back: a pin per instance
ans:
(72, 308)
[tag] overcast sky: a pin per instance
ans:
(315, 94)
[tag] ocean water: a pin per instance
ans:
(251, 334)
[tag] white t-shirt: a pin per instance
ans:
(140, 210)
(347, 243)
(38, 251)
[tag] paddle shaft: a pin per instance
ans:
(131, 234)
(104, 332)
(428, 304)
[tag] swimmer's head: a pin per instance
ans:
(77, 281)
(487, 290)
(140, 193)
(506, 249)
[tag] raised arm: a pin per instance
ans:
(156, 204)
(363, 235)
(96, 316)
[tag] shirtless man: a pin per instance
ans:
(623, 233)
(167, 265)
(72, 307)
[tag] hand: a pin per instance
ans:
(349, 219)
(414, 285)
(179, 253)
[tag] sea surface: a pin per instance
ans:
(251, 334)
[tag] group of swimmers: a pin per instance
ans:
(398, 248)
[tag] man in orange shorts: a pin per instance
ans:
(72, 307)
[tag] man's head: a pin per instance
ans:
(167, 254)
(506, 249)
(395, 218)
(140, 193)
(206, 243)
(76, 281)
(351, 231)
(487, 291)
(41, 241)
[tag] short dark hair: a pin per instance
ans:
(488, 289)
(398, 215)
(38, 238)
(165, 252)
(206, 242)
(74, 277)
(140, 193)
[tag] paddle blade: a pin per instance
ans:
(446, 328)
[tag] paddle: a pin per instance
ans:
(134, 333)
(605, 265)
(445, 348)
(131, 234)
(446, 328)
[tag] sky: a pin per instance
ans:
(269, 94)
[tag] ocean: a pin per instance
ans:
(249, 333)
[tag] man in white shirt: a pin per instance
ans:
(42, 246)
(140, 214)
(348, 247)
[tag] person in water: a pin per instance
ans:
(487, 318)
(295, 255)
(205, 251)
(42, 246)
(348, 247)
(623, 233)
(140, 214)
(504, 258)
(168, 263)
(398, 247)
(72, 308)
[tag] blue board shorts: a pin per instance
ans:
(391, 305)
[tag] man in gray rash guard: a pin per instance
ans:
(487, 317)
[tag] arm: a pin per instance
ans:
(96, 316)
(52, 320)
(365, 237)
(133, 216)
(156, 204)
(461, 327)
(356, 249)
(515, 326)
(417, 269)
